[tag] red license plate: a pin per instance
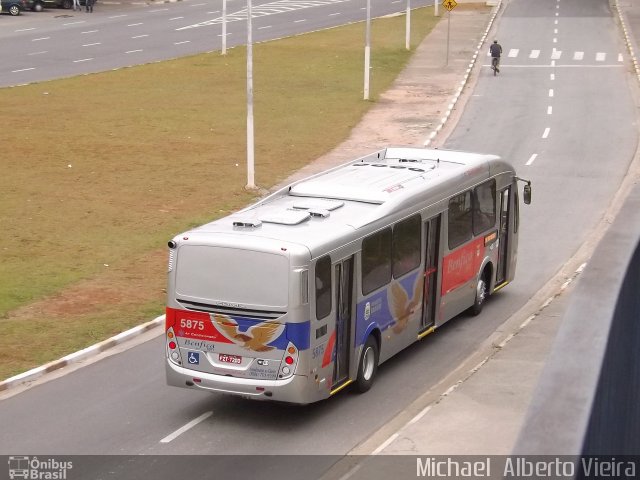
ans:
(230, 358)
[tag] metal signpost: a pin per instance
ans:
(449, 5)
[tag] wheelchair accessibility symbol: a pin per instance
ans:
(193, 358)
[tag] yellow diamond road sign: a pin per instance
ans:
(449, 4)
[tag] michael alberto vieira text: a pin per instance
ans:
(523, 467)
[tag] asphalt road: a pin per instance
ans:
(567, 121)
(60, 43)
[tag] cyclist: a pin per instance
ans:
(496, 50)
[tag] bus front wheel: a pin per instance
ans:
(482, 292)
(368, 365)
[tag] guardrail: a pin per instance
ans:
(587, 401)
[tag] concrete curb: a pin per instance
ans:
(81, 355)
(465, 80)
(628, 38)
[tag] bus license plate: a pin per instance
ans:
(230, 358)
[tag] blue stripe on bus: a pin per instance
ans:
(380, 314)
(297, 333)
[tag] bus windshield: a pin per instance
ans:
(234, 275)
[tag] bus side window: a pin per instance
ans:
(516, 203)
(407, 245)
(376, 261)
(323, 287)
(484, 208)
(460, 223)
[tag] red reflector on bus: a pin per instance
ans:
(197, 380)
(260, 389)
(288, 360)
(172, 345)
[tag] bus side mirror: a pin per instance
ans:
(527, 194)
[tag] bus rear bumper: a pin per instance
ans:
(296, 389)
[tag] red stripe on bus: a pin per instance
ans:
(327, 358)
(462, 265)
(195, 325)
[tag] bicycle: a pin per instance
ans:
(494, 65)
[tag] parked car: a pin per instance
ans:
(15, 7)
(38, 5)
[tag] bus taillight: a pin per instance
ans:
(173, 352)
(290, 360)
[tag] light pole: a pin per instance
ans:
(250, 148)
(407, 41)
(367, 51)
(224, 27)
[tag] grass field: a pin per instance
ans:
(99, 171)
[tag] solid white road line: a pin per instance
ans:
(23, 70)
(188, 426)
(385, 444)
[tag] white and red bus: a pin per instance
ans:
(310, 289)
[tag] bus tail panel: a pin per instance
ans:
(234, 346)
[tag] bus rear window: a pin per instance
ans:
(232, 275)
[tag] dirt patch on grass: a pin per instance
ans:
(119, 289)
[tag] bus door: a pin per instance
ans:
(503, 236)
(432, 256)
(344, 298)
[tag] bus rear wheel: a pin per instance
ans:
(368, 365)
